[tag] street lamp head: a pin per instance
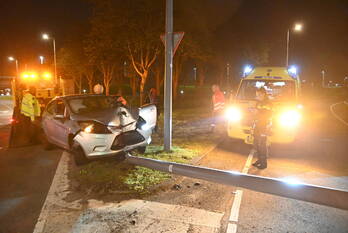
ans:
(11, 58)
(298, 27)
(45, 36)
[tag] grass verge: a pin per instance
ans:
(191, 138)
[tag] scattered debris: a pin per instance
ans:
(176, 187)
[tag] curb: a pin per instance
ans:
(335, 114)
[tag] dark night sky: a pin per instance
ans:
(321, 45)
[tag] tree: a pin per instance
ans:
(200, 31)
(142, 38)
(257, 54)
(69, 65)
(102, 47)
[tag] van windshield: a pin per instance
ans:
(277, 90)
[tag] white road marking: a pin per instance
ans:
(337, 116)
(234, 214)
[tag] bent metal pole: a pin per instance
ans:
(305, 192)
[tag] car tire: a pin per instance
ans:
(79, 156)
(45, 143)
(141, 150)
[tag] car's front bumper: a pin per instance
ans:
(103, 145)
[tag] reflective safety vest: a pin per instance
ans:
(30, 106)
(218, 101)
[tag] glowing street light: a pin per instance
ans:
(45, 36)
(297, 28)
(11, 59)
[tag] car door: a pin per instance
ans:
(60, 124)
(149, 114)
(48, 123)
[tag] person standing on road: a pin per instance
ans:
(262, 127)
(120, 98)
(218, 100)
(152, 97)
(30, 109)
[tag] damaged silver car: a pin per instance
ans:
(95, 126)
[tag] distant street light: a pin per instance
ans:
(47, 37)
(323, 78)
(41, 58)
(297, 28)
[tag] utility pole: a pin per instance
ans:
(287, 47)
(228, 74)
(168, 77)
(323, 78)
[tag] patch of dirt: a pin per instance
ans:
(192, 133)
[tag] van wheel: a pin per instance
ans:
(79, 156)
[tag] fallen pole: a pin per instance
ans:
(285, 188)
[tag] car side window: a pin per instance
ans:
(51, 108)
(60, 109)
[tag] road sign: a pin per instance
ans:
(177, 38)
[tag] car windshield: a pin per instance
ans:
(91, 104)
(277, 90)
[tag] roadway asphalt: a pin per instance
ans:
(320, 158)
(26, 174)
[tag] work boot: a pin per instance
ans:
(257, 163)
(262, 165)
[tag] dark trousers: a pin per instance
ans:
(30, 129)
(217, 117)
(260, 145)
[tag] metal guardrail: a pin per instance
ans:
(285, 188)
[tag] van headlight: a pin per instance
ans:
(290, 119)
(233, 114)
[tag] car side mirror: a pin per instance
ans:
(59, 117)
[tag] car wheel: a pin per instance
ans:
(79, 156)
(141, 149)
(45, 143)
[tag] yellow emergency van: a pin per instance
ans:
(283, 88)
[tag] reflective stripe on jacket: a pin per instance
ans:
(218, 101)
(30, 106)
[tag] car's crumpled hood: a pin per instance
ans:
(115, 117)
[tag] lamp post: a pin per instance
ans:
(168, 77)
(16, 62)
(47, 37)
(41, 58)
(297, 28)
(14, 82)
(323, 78)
